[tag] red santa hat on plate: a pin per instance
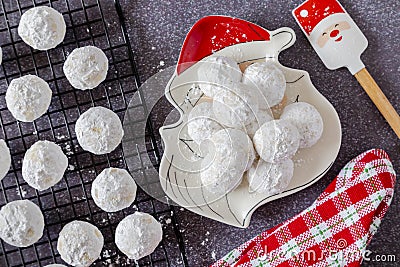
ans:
(311, 13)
(213, 33)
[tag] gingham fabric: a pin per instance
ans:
(336, 229)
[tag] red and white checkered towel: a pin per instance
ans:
(336, 229)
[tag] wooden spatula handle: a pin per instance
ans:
(379, 99)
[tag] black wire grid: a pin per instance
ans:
(89, 22)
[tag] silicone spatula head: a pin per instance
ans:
(332, 33)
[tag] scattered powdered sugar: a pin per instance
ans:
(300, 162)
(61, 137)
(21, 192)
(76, 198)
(237, 53)
(68, 149)
(107, 254)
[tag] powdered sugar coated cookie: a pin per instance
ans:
(44, 165)
(21, 223)
(99, 130)
(80, 243)
(42, 27)
(113, 190)
(217, 72)
(138, 235)
(276, 140)
(270, 178)
(307, 120)
(28, 98)
(86, 67)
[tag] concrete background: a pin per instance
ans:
(157, 29)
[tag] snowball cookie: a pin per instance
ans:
(270, 178)
(99, 130)
(86, 67)
(28, 98)
(202, 122)
(217, 72)
(268, 79)
(5, 159)
(276, 140)
(262, 116)
(55, 265)
(80, 243)
(42, 27)
(233, 154)
(235, 107)
(307, 120)
(44, 165)
(113, 190)
(21, 223)
(138, 235)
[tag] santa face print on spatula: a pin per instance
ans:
(332, 33)
(339, 43)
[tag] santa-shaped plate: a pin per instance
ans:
(181, 163)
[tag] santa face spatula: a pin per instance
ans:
(339, 43)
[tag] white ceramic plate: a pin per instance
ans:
(180, 164)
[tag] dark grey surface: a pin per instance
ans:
(157, 29)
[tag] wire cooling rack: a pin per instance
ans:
(89, 22)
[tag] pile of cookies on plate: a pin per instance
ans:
(235, 126)
(98, 130)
